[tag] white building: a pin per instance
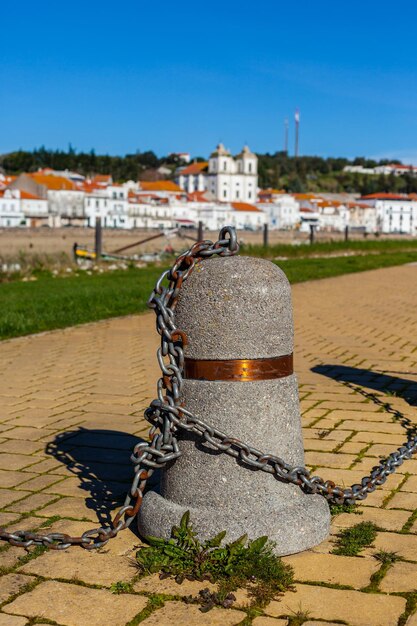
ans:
(109, 203)
(282, 209)
(362, 217)
(225, 178)
(194, 177)
(65, 198)
(11, 214)
(395, 213)
(20, 208)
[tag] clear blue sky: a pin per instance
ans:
(169, 76)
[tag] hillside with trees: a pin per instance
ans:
(296, 174)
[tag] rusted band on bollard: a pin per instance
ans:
(241, 370)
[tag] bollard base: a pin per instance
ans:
(301, 523)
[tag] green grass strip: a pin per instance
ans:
(50, 303)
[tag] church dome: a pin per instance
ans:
(220, 151)
(246, 153)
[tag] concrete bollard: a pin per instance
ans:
(231, 309)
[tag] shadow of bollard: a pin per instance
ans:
(100, 459)
(378, 381)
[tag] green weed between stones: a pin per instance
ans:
(387, 560)
(239, 564)
(351, 541)
(337, 509)
(121, 587)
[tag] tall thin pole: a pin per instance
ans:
(265, 238)
(297, 129)
(286, 136)
(98, 239)
(200, 234)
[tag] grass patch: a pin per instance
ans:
(121, 587)
(387, 560)
(50, 303)
(337, 509)
(239, 564)
(375, 246)
(410, 607)
(300, 270)
(351, 541)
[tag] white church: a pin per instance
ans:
(223, 178)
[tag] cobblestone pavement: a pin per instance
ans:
(92, 382)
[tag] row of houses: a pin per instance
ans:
(397, 169)
(55, 199)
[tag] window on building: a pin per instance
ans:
(225, 193)
(97, 204)
(224, 166)
(249, 195)
(237, 194)
(249, 167)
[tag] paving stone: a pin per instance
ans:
(328, 459)
(7, 518)
(41, 482)
(354, 607)
(12, 479)
(410, 484)
(375, 427)
(22, 447)
(375, 499)
(16, 461)
(333, 435)
(404, 545)
(154, 584)
(401, 577)
(8, 496)
(319, 444)
(182, 614)
(91, 567)
(12, 620)
(367, 437)
(331, 568)
(12, 584)
(352, 447)
(50, 399)
(30, 503)
(70, 507)
(412, 621)
(74, 605)
(387, 520)
(270, 621)
(314, 623)
(403, 500)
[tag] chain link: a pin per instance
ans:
(168, 417)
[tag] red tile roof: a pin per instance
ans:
(54, 183)
(244, 206)
(101, 179)
(197, 196)
(160, 185)
(194, 168)
(384, 196)
(25, 195)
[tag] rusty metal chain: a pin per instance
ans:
(168, 417)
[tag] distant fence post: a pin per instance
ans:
(312, 230)
(346, 233)
(200, 234)
(265, 235)
(98, 239)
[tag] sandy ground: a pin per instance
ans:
(61, 240)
